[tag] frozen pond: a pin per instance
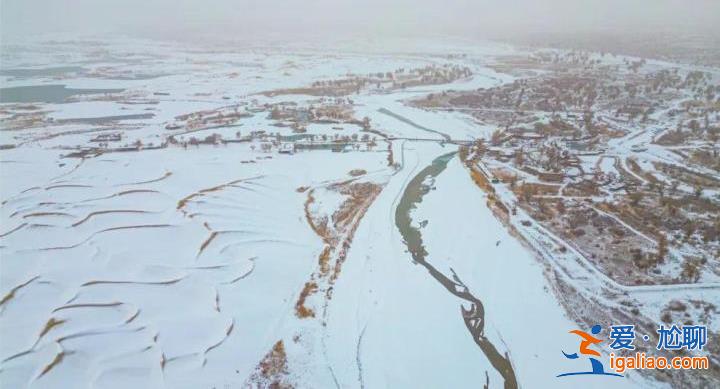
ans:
(46, 93)
(41, 72)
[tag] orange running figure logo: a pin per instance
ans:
(587, 341)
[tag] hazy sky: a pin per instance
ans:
(247, 18)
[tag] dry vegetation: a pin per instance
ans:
(470, 156)
(272, 371)
(631, 223)
(337, 231)
(399, 79)
(301, 310)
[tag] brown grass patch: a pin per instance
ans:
(207, 241)
(319, 225)
(635, 167)
(49, 326)
(324, 260)
(540, 189)
(504, 175)
(345, 221)
(272, 371)
(40, 214)
(301, 310)
(58, 358)
(10, 295)
(275, 362)
(360, 197)
(185, 200)
(127, 192)
(482, 181)
(687, 176)
(92, 214)
(164, 176)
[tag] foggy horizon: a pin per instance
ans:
(187, 20)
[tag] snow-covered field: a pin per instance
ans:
(164, 266)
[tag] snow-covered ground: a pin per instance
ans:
(182, 267)
(152, 261)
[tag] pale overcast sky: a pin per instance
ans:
(179, 18)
